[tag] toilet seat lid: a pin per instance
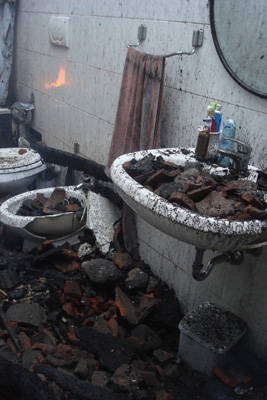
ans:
(15, 159)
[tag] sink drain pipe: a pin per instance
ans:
(201, 272)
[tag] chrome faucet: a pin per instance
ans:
(240, 156)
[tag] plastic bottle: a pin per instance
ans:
(228, 132)
(218, 118)
(211, 113)
(207, 123)
(213, 104)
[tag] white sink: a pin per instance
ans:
(43, 227)
(185, 225)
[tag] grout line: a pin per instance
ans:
(57, 139)
(149, 19)
(167, 20)
(64, 103)
(215, 99)
(68, 60)
(163, 256)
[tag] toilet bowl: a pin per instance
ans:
(18, 168)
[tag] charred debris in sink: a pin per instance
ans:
(210, 195)
(195, 189)
(58, 202)
(78, 332)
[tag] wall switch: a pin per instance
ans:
(59, 31)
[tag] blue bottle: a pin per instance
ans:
(218, 118)
(228, 132)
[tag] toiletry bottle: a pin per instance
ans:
(211, 113)
(228, 132)
(202, 143)
(207, 123)
(213, 104)
(218, 118)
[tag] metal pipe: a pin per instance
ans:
(181, 53)
(201, 272)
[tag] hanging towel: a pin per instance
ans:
(137, 120)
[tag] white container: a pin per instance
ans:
(206, 336)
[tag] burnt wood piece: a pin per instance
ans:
(111, 351)
(73, 161)
(160, 176)
(255, 212)
(105, 189)
(262, 181)
(80, 389)
(50, 254)
(14, 337)
(9, 259)
(166, 189)
(254, 199)
(18, 383)
(183, 200)
(200, 193)
(8, 279)
(143, 166)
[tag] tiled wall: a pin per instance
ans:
(84, 110)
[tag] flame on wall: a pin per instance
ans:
(61, 79)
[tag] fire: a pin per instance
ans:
(61, 79)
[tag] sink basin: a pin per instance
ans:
(185, 225)
(43, 227)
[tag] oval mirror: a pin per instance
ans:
(239, 31)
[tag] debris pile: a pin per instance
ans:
(195, 189)
(78, 325)
(75, 324)
(57, 203)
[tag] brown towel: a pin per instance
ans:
(137, 120)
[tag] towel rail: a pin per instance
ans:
(197, 41)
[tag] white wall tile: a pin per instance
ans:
(95, 7)
(47, 6)
(171, 10)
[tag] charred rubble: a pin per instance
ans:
(77, 325)
(195, 189)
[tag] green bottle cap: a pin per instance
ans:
(213, 104)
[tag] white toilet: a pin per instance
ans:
(18, 169)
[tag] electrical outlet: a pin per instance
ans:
(59, 31)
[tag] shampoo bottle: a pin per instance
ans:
(211, 113)
(218, 118)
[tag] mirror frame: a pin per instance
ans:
(223, 60)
